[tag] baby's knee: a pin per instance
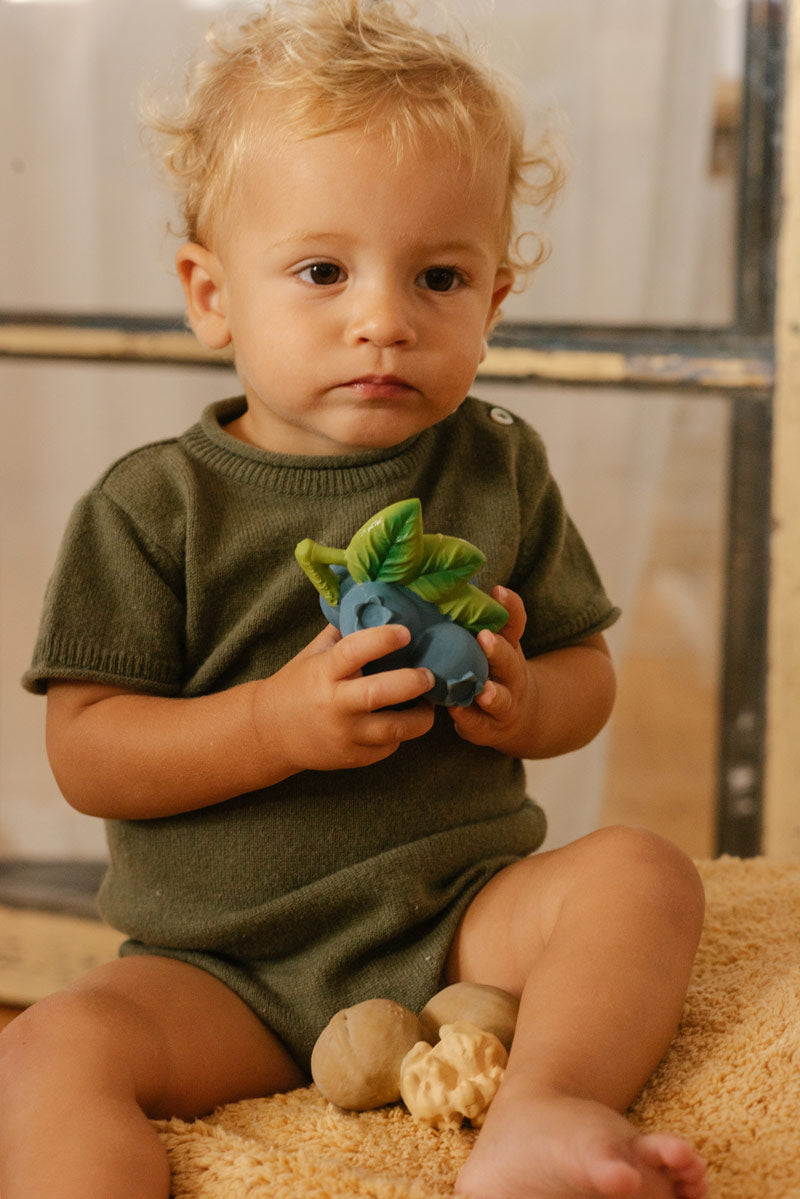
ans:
(65, 1040)
(42, 1036)
(26, 1052)
(661, 872)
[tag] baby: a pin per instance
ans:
(289, 833)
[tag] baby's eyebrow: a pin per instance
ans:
(443, 249)
(472, 255)
(301, 236)
(422, 246)
(434, 250)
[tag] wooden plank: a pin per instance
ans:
(50, 930)
(599, 368)
(41, 952)
(71, 342)
(688, 359)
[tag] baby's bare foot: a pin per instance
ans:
(566, 1148)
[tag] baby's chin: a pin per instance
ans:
(382, 435)
(385, 429)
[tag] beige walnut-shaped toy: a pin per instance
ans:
(486, 1007)
(455, 1080)
(356, 1060)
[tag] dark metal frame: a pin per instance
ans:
(737, 360)
(743, 685)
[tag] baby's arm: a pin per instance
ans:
(543, 706)
(117, 753)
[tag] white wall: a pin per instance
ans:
(643, 234)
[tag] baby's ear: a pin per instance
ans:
(503, 282)
(203, 282)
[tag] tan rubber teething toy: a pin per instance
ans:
(378, 1051)
(486, 1007)
(456, 1079)
(356, 1060)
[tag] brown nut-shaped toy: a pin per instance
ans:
(356, 1060)
(489, 1008)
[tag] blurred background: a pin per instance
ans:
(647, 95)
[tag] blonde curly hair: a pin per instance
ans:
(331, 65)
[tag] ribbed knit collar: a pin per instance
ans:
(341, 474)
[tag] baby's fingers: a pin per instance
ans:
(479, 723)
(323, 641)
(495, 701)
(517, 616)
(390, 727)
(353, 652)
(505, 659)
(385, 689)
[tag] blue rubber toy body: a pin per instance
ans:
(449, 651)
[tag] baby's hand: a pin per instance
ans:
(327, 715)
(500, 714)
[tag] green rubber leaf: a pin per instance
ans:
(389, 545)
(316, 560)
(447, 562)
(474, 609)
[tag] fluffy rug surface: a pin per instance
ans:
(730, 1082)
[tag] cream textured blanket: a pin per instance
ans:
(730, 1082)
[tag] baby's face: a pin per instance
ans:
(356, 292)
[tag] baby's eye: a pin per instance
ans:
(323, 274)
(441, 278)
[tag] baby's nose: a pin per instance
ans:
(382, 316)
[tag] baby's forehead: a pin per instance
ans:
(408, 130)
(271, 142)
(274, 160)
(266, 141)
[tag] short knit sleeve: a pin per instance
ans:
(557, 579)
(540, 553)
(113, 609)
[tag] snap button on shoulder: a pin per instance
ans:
(501, 417)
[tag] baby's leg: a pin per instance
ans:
(82, 1070)
(598, 940)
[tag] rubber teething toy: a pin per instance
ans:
(454, 1080)
(393, 573)
(489, 1008)
(445, 1070)
(356, 1060)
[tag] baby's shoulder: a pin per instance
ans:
(160, 473)
(151, 490)
(175, 468)
(149, 461)
(486, 419)
(489, 430)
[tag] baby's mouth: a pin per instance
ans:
(379, 386)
